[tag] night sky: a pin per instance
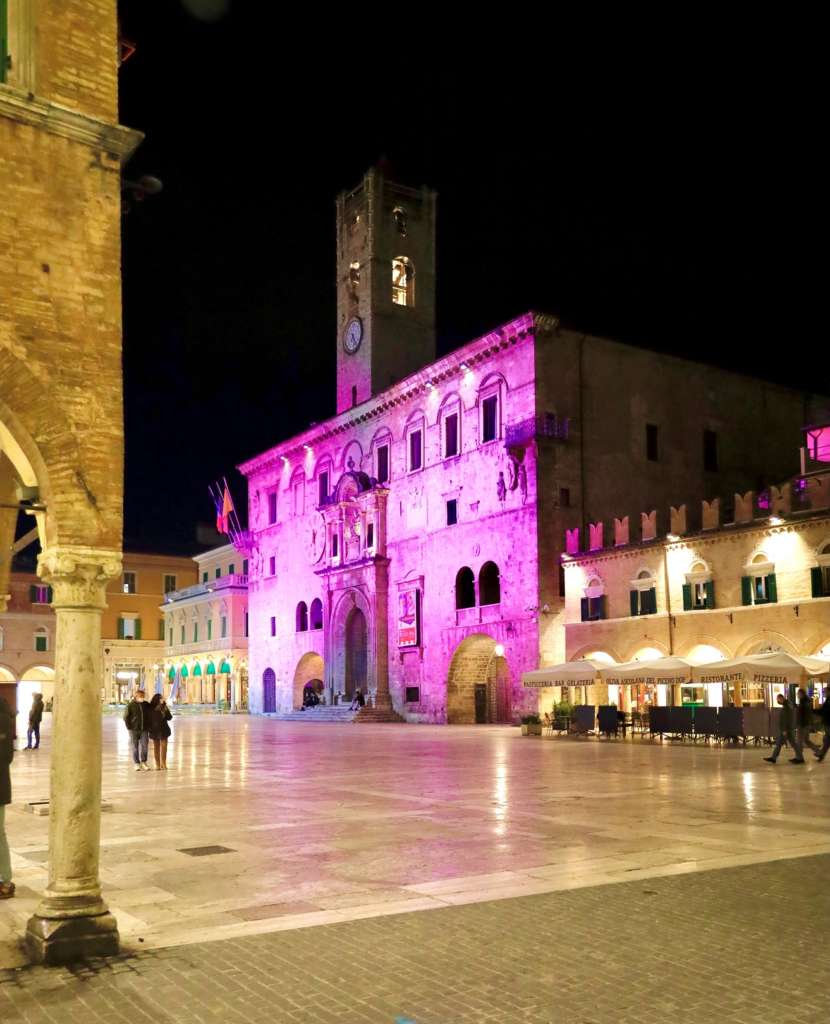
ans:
(653, 210)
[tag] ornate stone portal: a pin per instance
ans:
(72, 920)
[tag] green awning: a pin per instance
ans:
(197, 671)
(184, 672)
(225, 667)
(172, 673)
(211, 669)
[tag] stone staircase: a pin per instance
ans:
(320, 713)
(369, 715)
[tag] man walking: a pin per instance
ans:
(805, 722)
(786, 733)
(137, 720)
(35, 717)
(824, 714)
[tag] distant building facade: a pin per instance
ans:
(205, 659)
(757, 582)
(410, 545)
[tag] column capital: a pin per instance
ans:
(78, 575)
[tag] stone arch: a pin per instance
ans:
(767, 638)
(489, 584)
(704, 640)
(465, 588)
(310, 668)
(352, 450)
(6, 675)
(301, 617)
(643, 644)
(315, 614)
(590, 649)
(336, 641)
(474, 663)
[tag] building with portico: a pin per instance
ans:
(409, 545)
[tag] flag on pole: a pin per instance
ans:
(227, 509)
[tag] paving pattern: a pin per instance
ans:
(319, 825)
(740, 945)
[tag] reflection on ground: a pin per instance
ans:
(331, 823)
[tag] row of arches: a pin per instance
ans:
(489, 586)
(309, 617)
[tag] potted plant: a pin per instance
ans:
(531, 725)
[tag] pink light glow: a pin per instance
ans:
(818, 443)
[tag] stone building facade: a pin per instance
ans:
(422, 523)
(206, 633)
(27, 641)
(759, 581)
(61, 418)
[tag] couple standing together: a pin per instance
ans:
(796, 724)
(148, 721)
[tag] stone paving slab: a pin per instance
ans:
(741, 945)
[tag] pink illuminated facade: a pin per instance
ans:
(409, 546)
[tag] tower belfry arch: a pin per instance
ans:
(61, 433)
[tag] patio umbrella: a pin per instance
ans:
(776, 667)
(568, 673)
(648, 672)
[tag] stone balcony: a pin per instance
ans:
(236, 579)
(546, 424)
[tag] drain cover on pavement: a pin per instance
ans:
(206, 851)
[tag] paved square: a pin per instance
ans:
(326, 824)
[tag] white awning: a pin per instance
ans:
(648, 672)
(777, 667)
(568, 673)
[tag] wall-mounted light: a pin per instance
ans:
(429, 385)
(463, 367)
(499, 651)
(672, 537)
(284, 459)
(307, 447)
(775, 521)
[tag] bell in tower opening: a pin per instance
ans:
(385, 243)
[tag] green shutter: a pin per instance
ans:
(710, 593)
(772, 588)
(652, 601)
(583, 608)
(138, 629)
(817, 581)
(687, 597)
(633, 600)
(161, 629)
(120, 629)
(49, 593)
(4, 45)
(746, 590)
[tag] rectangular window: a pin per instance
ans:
(825, 578)
(170, 637)
(217, 572)
(161, 629)
(334, 545)
(182, 640)
(40, 594)
(4, 44)
(244, 566)
(452, 512)
(322, 488)
(246, 623)
(195, 632)
(489, 418)
(564, 497)
(204, 577)
(699, 595)
(169, 584)
(383, 464)
(413, 694)
(651, 442)
(710, 451)
(298, 490)
(561, 580)
(415, 455)
(231, 569)
(272, 507)
(129, 628)
(273, 625)
(272, 565)
(41, 642)
(223, 624)
(760, 590)
(370, 536)
(451, 435)
(210, 629)
(129, 583)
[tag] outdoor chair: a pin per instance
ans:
(583, 720)
(680, 721)
(705, 723)
(730, 724)
(658, 721)
(608, 722)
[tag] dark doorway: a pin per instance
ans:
(481, 703)
(269, 691)
(356, 652)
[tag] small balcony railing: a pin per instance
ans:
(236, 579)
(547, 424)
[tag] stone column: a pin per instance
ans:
(72, 920)
(381, 634)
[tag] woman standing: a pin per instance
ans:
(159, 730)
(6, 755)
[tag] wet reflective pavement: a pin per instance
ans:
(328, 824)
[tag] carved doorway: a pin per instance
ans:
(357, 649)
(269, 691)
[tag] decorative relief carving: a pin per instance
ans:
(78, 575)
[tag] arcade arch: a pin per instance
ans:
(309, 671)
(478, 682)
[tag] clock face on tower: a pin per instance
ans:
(353, 335)
(315, 543)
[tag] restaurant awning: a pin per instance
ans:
(568, 673)
(648, 672)
(777, 667)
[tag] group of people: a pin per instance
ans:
(145, 721)
(796, 724)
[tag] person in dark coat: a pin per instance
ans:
(160, 731)
(137, 720)
(35, 717)
(804, 722)
(786, 733)
(823, 713)
(6, 755)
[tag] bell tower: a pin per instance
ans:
(385, 286)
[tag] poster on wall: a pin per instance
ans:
(409, 618)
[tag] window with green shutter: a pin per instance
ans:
(161, 629)
(687, 597)
(772, 588)
(120, 634)
(710, 593)
(634, 601)
(210, 629)
(817, 581)
(4, 40)
(746, 590)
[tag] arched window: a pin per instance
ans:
(465, 591)
(403, 281)
(758, 585)
(315, 614)
(302, 617)
(489, 586)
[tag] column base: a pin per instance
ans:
(65, 940)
